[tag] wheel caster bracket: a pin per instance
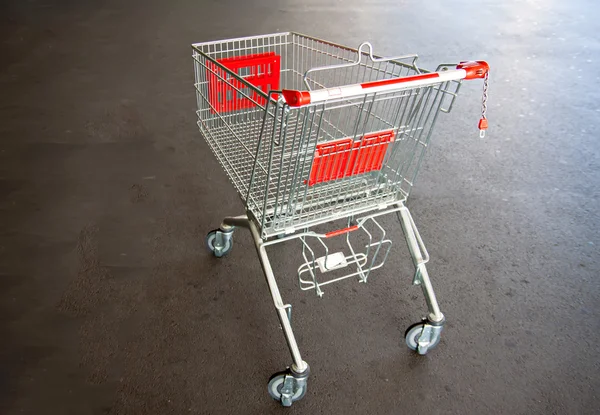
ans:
(223, 239)
(430, 335)
(287, 391)
(424, 336)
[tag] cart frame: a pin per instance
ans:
(309, 134)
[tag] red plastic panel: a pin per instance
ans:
(261, 70)
(342, 158)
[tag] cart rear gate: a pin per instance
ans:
(320, 141)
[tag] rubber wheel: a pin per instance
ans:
(276, 384)
(412, 337)
(210, 243)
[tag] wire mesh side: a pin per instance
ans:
(232, 131)
(231, 135)
(284, 194)
(309, 53)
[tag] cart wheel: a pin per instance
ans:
(219, 251)
(412, 334)
(276, 385)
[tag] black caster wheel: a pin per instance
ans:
(220, 243)
(296, 391)
(412, 335)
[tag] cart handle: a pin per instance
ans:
(360, 52)
(474, 69)
(464, 70)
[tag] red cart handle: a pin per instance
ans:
(464, 70)
(474, 69)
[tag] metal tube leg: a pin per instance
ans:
(420, 258)
(299, 366)
(435, 315)
(231, 222)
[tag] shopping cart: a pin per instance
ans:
(320, 141)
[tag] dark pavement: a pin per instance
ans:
(110, 304)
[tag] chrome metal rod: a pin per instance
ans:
(421, 276)
(231, 222)
(435, 315)
(300, 365)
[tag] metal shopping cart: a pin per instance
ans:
(320, 141)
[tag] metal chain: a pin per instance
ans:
(485, 95)
(484, 105)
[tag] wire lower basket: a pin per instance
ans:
(365, 248)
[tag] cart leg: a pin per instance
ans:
(288, 386)
(283, 311)
(231, 222)
(426, 335)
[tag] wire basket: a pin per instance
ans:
(301, 166)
